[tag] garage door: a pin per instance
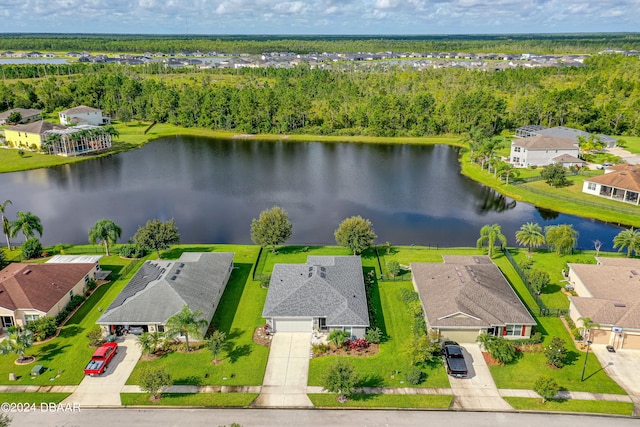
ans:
(459, 335)
(293, 325)
(631, 341)
(599, 336)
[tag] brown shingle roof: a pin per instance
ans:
(615, 289)
(38, 286)
(467, 291)
(39, 127)
(543, 142)
(24, 112)
(625, 177)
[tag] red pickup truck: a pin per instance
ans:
(101, 359)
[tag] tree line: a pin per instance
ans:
(512, 43)
(603, 97)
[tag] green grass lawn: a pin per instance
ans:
(570, 405)
(33, 398)
(67, 354)
(388, 367)
(383, 401)
(299, 254)
(523, 373)
(408, 254)
(190, 399)
(632, 143)
(238, 314)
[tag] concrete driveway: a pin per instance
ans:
(623, 367)
(285, 380)
(104, 390)
(478, 391)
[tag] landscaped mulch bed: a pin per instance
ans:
(260, 337)
(373, 349)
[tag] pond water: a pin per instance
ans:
(213, 189)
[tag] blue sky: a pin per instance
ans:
(319, 16)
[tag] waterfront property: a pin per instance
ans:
(324, 294)
(619, 182)
(609, 295)
(30, 136)
(26, 115)
(543, 150)
(467, 296)
(161, 288)
(83, 115)
(562, 132)
(30, 291)
(76, 140)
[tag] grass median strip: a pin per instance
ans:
(570, 405)
(383, 401)
(191, 399)
(33, 398)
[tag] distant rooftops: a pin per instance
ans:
(561, 132)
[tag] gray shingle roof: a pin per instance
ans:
(565, 132)
(326, 286)
(160, 289)
(545, 143)
(467, 291)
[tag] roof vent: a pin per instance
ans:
(177, 271)
(619, 304)
(26, 272)
(173, 277)
(635, 273)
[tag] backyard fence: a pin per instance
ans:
(257, 275)
(544, 311)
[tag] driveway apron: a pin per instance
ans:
(104, 390)
(478, 391)
(285, 380)
(623, 367)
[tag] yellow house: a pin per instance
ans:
(30, 291)
(28, 136)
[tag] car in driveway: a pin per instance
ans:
(136, 330)
(454, 359)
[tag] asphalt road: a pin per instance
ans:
(305, 418)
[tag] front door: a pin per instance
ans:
(322, 323)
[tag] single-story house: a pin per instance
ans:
(27, 115)
(608, 294)
(544, 150)
(619, 182)
(100, 274)
(562, 132)
(324, 294)
(30, 136)
(467, 296)
(83, 115)
(30, 291)
(161, 288)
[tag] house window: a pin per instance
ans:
(591, 186)
(347, 329)
(71, 293)
(517, 149)
(513, 330)
(160, 328)
(86, 279)
(28, 318)
(516, 160)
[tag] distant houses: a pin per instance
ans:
(619, 182)
(562, 132)
(26, 115)
(542, 150)
(82, 115)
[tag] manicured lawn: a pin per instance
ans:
(408, 254)
(570, 405)
(523, 373)
(388, 367)
(35, 398)
(383, 401)
(299, 254)
(238, 314)
(195, 399)
(66, 355)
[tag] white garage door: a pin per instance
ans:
(631, 341)
(293, 325)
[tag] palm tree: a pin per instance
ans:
(216, 344)
(5, 222)
(112, 131)
(105, 231)
(186, 322)
(489, 234)
(18, 342)
(530, 235)
(629, 239)
(588, 325)
(26, 223)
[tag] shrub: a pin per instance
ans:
(394, 268)
(556, 352)
(154, 381)
(43, 328)
(264, 281)
(319, 349)
(76, 300)
(539, 280)
(357, 345)
(546, 387)
(32, 248)
(503, 350)
(577, 334)
(408, 296)
(337, 337)
(535, 339)
(414, 376)
(95, 336)
(132, 251)
(91, 284)
(373, 335)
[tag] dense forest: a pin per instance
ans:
(499, 43)
(603, 96)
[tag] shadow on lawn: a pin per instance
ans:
(50, 351)
(236, 352)
(572, 357)
(189, 380)
(176, 252)
(70, 331)
(230, 300)
(371, 380)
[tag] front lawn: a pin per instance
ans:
(190, 399)
(65, 356)
(570, 405)
(33, 398)
(238, 314)
(383, 401)
(523, 373)
(389, 366)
